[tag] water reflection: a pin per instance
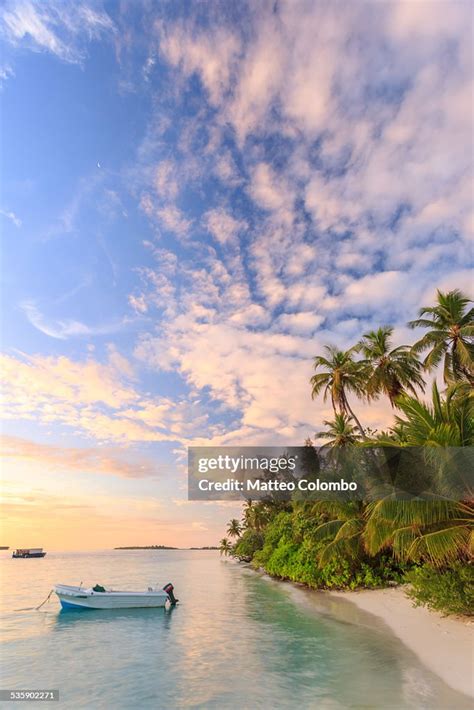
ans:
(161, 617)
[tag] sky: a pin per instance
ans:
(196, 197)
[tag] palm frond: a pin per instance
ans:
(441, 546)
(327, 530)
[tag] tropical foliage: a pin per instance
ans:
(234, 528)
(450, 326)
(225, 547)
(340, 432)
(427, 542)
(337, 375)
(391, 371)
(446, 421)
(450, 591)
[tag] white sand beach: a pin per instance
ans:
(444, 644)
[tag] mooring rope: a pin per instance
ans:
(47, 599)
(35, 608)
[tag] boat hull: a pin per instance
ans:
(28, 556)
(77, 598)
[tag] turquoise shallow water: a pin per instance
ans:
(236, 640)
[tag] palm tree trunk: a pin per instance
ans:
(348, 409)
(455, 365)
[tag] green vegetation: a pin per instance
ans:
(338, 375)
(340, 432)
(391, 371)
(293, 548)
(428, 543)
(250, 543)
(450, 329)
(450, 591)
(225, 547)
(234, 528)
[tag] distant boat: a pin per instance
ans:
(29, 552)
(100, 598)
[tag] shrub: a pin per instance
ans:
(369, 573)
(276, 532)
(450, 591)
(250, 542)
(289, 551)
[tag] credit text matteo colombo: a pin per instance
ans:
(249, 485)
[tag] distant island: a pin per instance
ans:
(163, 547)
(4, 547)
(146, 547)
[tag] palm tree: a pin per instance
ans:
(450, 335)
(258, 514)
(340, 432)
(225, 547)
(247, 513)
(393, 371)
(340, 374)
(234, 528)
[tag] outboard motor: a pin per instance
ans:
(168, 588)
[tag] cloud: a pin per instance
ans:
(382, 134)
(268, 189)
(226, 170)
(37, 379)
(223, 226)
(246, 371)
(173, 220)
(63, 329)
(85, 396)
(305, 322)
(61, 28)
(375, 290)
(166, 182)
(252, 315)
(119, 363)
(194, 52)
(6, 72)
(107, 461)
(6, 213)
(98, 400)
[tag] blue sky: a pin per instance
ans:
(195, 198)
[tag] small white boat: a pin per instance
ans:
(100, 598)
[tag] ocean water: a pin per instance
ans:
(236, 640)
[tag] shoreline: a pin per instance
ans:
(445, 645)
